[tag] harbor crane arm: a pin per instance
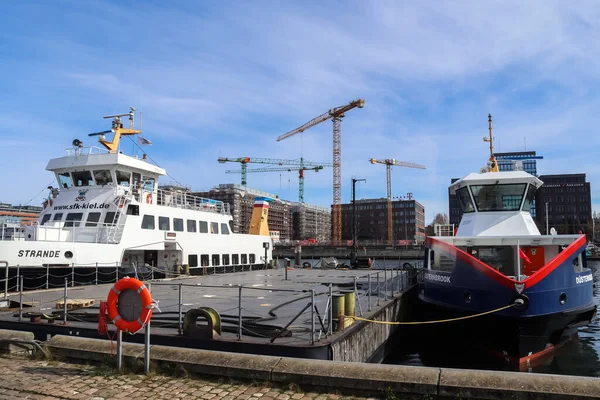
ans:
(335, 114)
(279, 169)
(244, 161)
(274, 161)
(388, 166)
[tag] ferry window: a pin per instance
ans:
(92, 219)
(235, 259)
(133, 209)
(164, 224)
(529, 198)
(441, 263)
(204, 260)
(45, 219)
(148, 222)
(214, 227)
(65, 180)
(225, 259)
(215, 260)
(193, 260)
(82, 178)
(111, 217)
(123, 178)
(57, 217)
(149, 183)
(178, 224)
(191, 225)
(252, 258)
(465, 200)
(73, 220)
(498, 197)
(224, 229)
(203, 225)
(231, 226)
(244, 259)
(102, 177)
(577, 264)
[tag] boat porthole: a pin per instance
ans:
(562, 298)
(29, 236)
(68, 254)
(467, 297)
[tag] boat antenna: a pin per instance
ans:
(492, 164)
(118, 130)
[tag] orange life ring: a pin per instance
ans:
(149, 198)
(113, 312)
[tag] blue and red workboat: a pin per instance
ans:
(538, 287)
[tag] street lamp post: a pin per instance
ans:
(354, 245)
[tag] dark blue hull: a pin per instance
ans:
(548, 306)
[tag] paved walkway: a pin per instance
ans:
(23, 378)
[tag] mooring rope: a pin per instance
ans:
(428, 322)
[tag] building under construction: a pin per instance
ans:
(241, 202)
(408, 218)
(311, 222)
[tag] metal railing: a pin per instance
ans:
(77, 151)
(370, 289)
(12, 233)
(185, 200)
(84, 232)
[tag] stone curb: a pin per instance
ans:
(345, 376)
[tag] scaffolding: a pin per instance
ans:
(311, 222)
(241, 201)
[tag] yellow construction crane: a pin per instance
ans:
(336, 115)
(388, 166)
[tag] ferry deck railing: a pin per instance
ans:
(372, 290)
(185, 200)
(85, 232)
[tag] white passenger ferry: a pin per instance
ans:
(108, 210)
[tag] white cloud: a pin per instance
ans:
(228, 81)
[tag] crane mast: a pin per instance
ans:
(335, 114)
(388, 173)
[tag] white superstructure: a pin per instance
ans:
(109, 210)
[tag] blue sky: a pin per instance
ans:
(227, 78)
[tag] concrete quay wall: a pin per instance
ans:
(348, 377)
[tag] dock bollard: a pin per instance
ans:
(338, 302)
(349, 307)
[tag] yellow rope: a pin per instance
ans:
(429, 322)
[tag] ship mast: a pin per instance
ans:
(492, 164)
(118, 130)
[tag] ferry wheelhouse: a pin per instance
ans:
(498, 259)
(108, 210)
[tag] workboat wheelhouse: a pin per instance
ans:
(108, 210)
(538, 286)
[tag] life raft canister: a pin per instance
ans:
(145, 297)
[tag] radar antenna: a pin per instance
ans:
(117, 129)
(493, 164)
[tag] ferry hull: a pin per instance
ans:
(544, 309)
(520, 342)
